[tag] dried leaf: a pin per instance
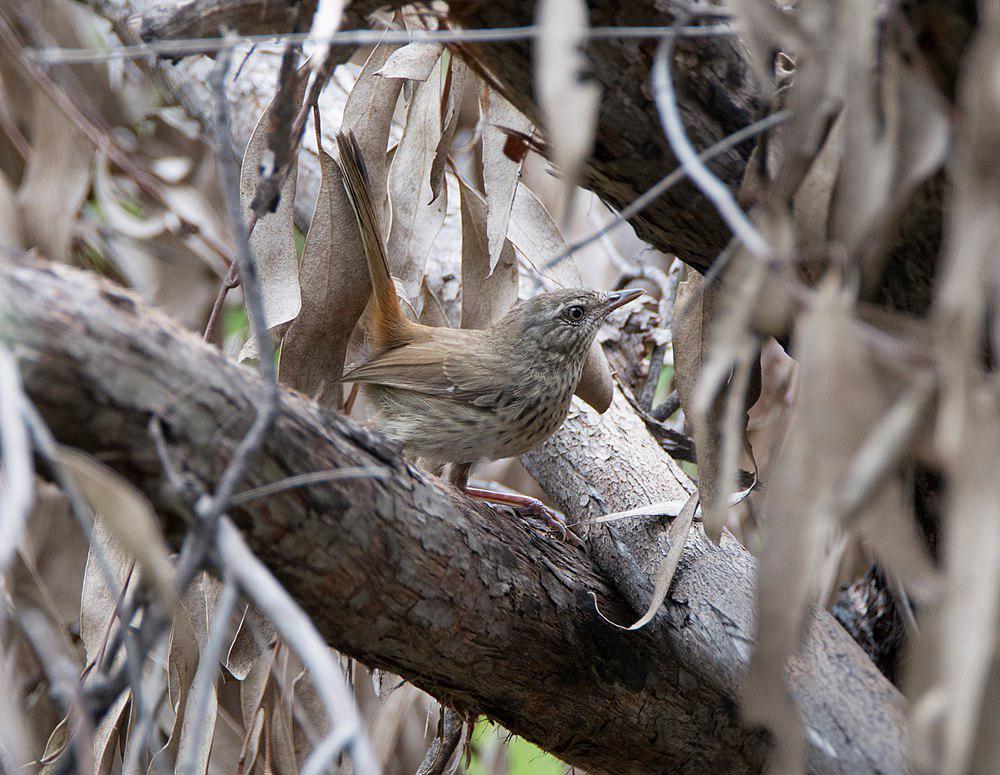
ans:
(417, 215)
(110, 732)
(128, 515)
(679, 529)
(253, 635)
(335, 284)
(500, 172)
(414, 62)
(273, 238)
(55, 182)
(458, 77)
(485, 297)
(97, 601)
(970, 611)
(534, 233)
(568, 100)
(842, 393)
(187, 638)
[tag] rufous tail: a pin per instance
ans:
(389, 326)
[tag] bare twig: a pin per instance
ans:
(54, 55)
(671, 180)
(667, 406)
(267, 407)
(304, 480)
(17, 465)
(701, 176)
(204, 677)
(300, 634)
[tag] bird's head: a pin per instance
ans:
(565, 321)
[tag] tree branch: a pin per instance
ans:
(468, 603)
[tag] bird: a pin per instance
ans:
(464, 396)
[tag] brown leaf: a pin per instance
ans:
(55, 182)
(459, 78)
(252, 636)
(273, 238)
(485, 297)
(417, 214)
(536, 236)
(500, 173)
(842, 393)
(680, 526)
(414, 62)
(128, 515)
(335, 284)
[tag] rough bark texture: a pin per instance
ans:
(466, 602)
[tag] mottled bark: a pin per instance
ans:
(466, 602)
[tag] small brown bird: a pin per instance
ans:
(461, 395)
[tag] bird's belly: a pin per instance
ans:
(448, 431)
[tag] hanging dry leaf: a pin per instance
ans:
(842, 393)
(485, 297)
(417, 215)
(273, 238)
(500, 172)
(128, 515)
(534, 233)
(55, 182)
(568, 100)
(335, 284)
(414, 62)
(455, 85)
(188, 636)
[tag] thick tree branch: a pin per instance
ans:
(470, 604)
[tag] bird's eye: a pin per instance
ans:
(575, 313)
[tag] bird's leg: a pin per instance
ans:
(532, 506)
(458, 476)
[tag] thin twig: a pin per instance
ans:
(204, 677)
(304, 480)
(55, 55)
(16, 462)
(701, 176)
(672, 179)
(267, 406)
(298, 631)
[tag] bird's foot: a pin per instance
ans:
(528, 506)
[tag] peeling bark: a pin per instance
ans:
(468, 603)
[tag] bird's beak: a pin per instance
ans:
(621, 298)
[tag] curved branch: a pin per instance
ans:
(468, 603)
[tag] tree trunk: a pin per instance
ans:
(468, 603)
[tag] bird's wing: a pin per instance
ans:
(429, 368)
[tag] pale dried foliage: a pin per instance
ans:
(810, 466)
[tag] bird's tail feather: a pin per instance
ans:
(388, 322)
